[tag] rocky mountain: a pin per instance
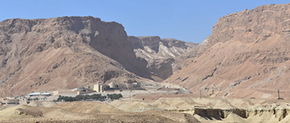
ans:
(69, 52)
(160, 54)
(63, 53)
(247, 56)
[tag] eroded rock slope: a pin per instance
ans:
(63, 53)
(160, 54)
(247, 55)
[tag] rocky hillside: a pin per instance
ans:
(63, 53)
(160, 54)
(247, 55)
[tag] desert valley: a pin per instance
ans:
(76, 69)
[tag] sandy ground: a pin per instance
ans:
(162, 110)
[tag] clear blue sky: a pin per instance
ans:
(187, 20)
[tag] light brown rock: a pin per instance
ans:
(64, 53)
(247, 56)
(161, 54)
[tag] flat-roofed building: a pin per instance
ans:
(10, 101)
(99, 87)
(39, 94)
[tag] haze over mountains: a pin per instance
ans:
(247, 55)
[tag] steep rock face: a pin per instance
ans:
(109, 38)
(63, 53)
(247, 55)
(252, 25)
(159, 53)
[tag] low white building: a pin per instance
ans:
(39, 94)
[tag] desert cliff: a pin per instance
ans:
(161, 54)
(64, 53)
(247, 56)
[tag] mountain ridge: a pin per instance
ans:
(61, 53)
(246, 56)
(160, 54)
(64, 53)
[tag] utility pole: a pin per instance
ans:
(279, 94)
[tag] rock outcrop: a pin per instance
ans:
(63, 53)
(160, 54)
(247, 55)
